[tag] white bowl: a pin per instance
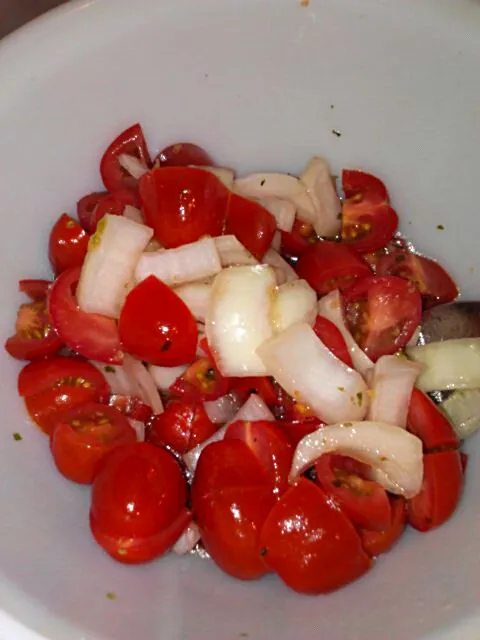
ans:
(262, 83)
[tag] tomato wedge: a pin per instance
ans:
(95, 206)
(86, 207)
(346, 481)
(363, 188)
(331, 265)
(34, 289)
(441, 490)
(156, 326)
(382, 313)
(295, 430)
(130, 142)
(201, 381)
(251, 223)
(182, 154)
(431, 279)
(427, 422)
(310, 543)
(83, 436)
(93, 336)
(298, 240)
(377, 542)
(182, 204)
(332, 338)
(67, 245)
(367, 227)
(261, 386)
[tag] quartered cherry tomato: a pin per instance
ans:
(131, 406)
(289, 409)
(86, 207)
(182, 204)
(251, 223)
(367, 227)
(331, 265)
(183, 154)
(382, 313)
(261, 386)
(377, 542)
(433, 282)
(156, 326)
(130, 142)
(363, 188)
(91, 335)
(83, 436)
(34, 336)
(95, 206)
(67, 245)
(431, 425)
(181, 426)
(332, 338)
(310, 542)
(201, 381)
(346, 481)
(298, 240)
(441, 490)
(296, 430)
(138, 502)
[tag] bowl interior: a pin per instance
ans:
(262, 85)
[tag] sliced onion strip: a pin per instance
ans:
(188, 540)
(319, 185)
(222, 409)
(283, 271)
(132, 165)
(196, 296)
(164, 377)
(232, 252)
(295, 302)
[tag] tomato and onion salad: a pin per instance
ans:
(185, 409)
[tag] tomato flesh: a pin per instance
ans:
(130, 142)
(377, 542)
(86, 207)
(99, 205)
(68, 244)
(294, 243)
(363, 188)
(201, 381)
(367, 227)
(430, 424)
(251, 223)
(261, 386)
(332, 338)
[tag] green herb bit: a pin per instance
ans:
(109, 369)
(111, 595)
(17, 437)
(440, 227)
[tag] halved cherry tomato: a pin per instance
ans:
(286, 408)
(296, 430)
(34, 336)
(156, 326)
(201, 381)
(251, 223)
(138, 494)
(182, 204)
(382, 313)
(310, 543)
(86, 207)
(91, 335)
(332, 338)
(131, 406)
(230, 522)
(84, 435)
(181, 426)
(262, 386)
(364, 501)
(367, 227)
(377, 542)
(441, 490)
(97, 205)
(269, 444)
(182, 154)
(299, 239)
(67, 245)
(363, 188)
(427, 422)
(433, 282)
(130, 142)
(57, 384)
(331, 265)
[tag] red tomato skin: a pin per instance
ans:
(271, 447)
(34, 289)
(93, 336)
(367, 228)
(68, 244)
(296, 431)
(202, 381)
(363, 188)
(131, 142)
(427, 422)
(77, 454)
(332, 338)
(261, 386)
(138, 491)
(131, 406)
(34, 336)
(183, 204)
(321, 552)
(298, 240)
(183, 154)
(128, 550)
(251, 223)
(376, 543)
(230, 522)
(181, 426)
(41, 376)
(330, 265)
(156, 326)
(441, 491)
(86, 207)
(110, 203)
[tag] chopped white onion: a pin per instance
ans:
(132, 213)
(146, 389)
(139, 428)
(330, 307)
(118, 380)
(451, 364)
(393, 380)
(196, 296)
(295, 302)
(113, 252)
(239, 318)
(226, 176)
(164, 377)
(132, 165)
(222, 409)
(232, 252)
(283, 271)
(311, 374)
(318, 182)
(264, 185)
(188, 263)
(276, 243)
(154, 245)
(395, 455)
(462, 408)
(282, 210)
(188, 540)
(415, 337)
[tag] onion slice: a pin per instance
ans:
(393, 380)
(232, 252)
(311, 374)
(319, 185)
(462, 408)
(451, 364)
(188, 540)
(283, 271)
(222, 409)
(395, 455)
(239, 318)
(113, 252)
(295, 302)
(142, 380)
(196, 296)
(139, 428)
(132, 165)
(282, 210)
(164, 377)
(226, 176)
(189, 263)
